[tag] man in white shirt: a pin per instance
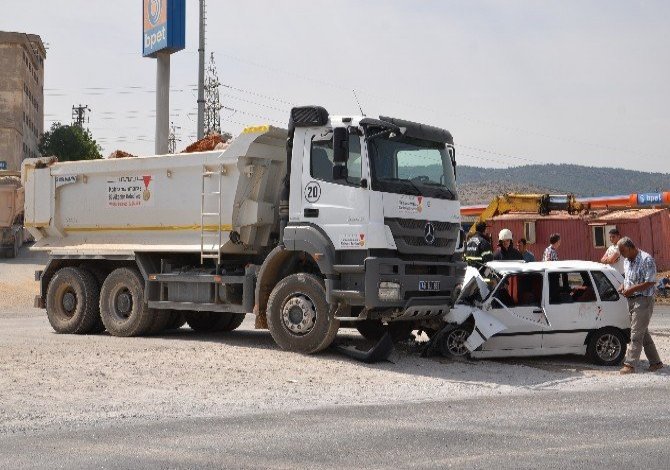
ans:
(612, 255)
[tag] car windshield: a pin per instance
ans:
(405, 165)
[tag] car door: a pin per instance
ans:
(571, 308)
(612, 307)
(517, 303)
(340, 207)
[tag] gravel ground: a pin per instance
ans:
(50, 381)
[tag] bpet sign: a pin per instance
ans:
(164, 26)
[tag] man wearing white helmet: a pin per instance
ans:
(506, 250)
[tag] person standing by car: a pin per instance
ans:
(638, 287)
(528, 257)
(550, 253)
(478, 245)
(506, 250)
(612, 255)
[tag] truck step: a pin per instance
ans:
(196, 307)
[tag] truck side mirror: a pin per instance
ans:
(340, 145)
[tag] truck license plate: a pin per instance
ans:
(429, 286)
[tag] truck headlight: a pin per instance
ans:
(389, 291)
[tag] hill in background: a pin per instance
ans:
(583, 181)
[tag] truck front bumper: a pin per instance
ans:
(420, 289)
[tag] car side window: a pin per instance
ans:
(570, 287)
(519, 290)
(607, 291)
(321, 160)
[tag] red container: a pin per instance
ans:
(648, 228)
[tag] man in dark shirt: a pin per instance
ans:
(506, 250)
(478, 245)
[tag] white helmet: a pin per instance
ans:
(505, 234)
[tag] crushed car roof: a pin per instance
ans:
(504, 267)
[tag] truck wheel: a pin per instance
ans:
(299, 318)
(72, 301)
(607, 347)
(122, 304)
(14, 252)
(373, 330)
(99, 276)
(212, 321)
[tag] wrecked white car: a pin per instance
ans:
(510, 309)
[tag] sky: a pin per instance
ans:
(516, 82)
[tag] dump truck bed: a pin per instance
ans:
(165, 203)
(11, 198)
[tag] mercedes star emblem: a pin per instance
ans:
(429, 233)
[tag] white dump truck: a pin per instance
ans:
(337, 221)
(11, 213)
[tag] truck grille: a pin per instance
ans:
(410, 236)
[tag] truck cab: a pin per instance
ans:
(374, 202)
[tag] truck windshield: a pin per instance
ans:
(411, 166)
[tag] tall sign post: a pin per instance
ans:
(164, 33)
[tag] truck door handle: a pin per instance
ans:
(538, 310)
(311, 213)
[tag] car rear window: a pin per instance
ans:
(605, 288)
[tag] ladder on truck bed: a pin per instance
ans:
(211, 240)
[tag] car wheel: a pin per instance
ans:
(452, 343)
(607, 347)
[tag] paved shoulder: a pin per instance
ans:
(552, 430)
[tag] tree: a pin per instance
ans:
(69, 143)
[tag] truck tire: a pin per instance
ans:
(14, 251)
(607, 347)
(99, 276)
(299, 318)
(373, 330)
(122, 306)
(72, 301)
(212, 322)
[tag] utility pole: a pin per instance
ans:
(172, 140)
(201, 74)
(79, 115)
(212, 102)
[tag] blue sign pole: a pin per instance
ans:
(164, 32)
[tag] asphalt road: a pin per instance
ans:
(553, 430)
